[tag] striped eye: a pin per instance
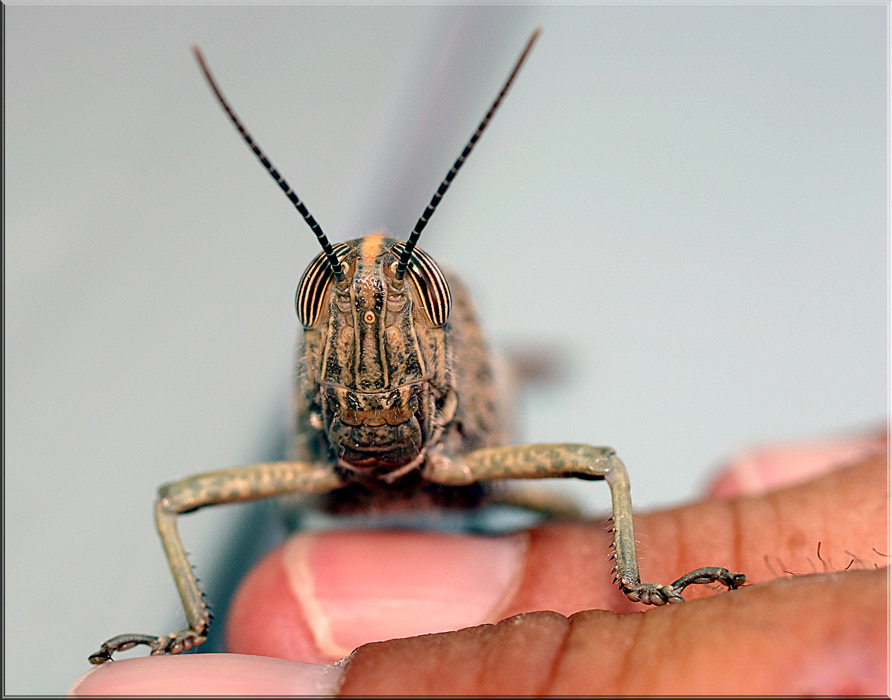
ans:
(430, 283)
(314, 285)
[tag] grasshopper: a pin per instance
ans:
(395, 400)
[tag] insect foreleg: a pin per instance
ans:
(584, 462)
(232, 485)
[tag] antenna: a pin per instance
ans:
(453, 171)
(336, 268)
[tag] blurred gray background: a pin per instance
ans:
(685, 204)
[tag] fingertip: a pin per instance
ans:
(266, 618)
(759, 470)
(75, 688)
(208, 674)
(320, 595)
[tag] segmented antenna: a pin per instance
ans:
(336, 268)
(450, 176)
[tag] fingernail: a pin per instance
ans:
(760, 470)
(360, 587)
(208, 674)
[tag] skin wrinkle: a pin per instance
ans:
(813, 517)
(715, 521)
(734, 521)
(530, 642)
(651, 534)
(556, 661)
(629, 653)
(671, 636)
(672, 531)
(480, 667)
(825, 565)
(482, 663)
(680, 545)
(602, 636)
(794, 539)
(824, 513)
(680, 541)
(769, 507)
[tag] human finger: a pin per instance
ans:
(321, 595)
(758, 470)
(807, 635)
(560, 567)
(810, 635)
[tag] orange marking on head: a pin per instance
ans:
(371, 247)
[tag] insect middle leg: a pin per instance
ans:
(232, 485)
(584, 462)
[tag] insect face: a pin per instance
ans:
(376, 352)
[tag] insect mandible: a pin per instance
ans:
(394, 400)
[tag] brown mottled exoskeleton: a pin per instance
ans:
(395, 398)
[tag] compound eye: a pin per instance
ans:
(314, 286)
(430, 283)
